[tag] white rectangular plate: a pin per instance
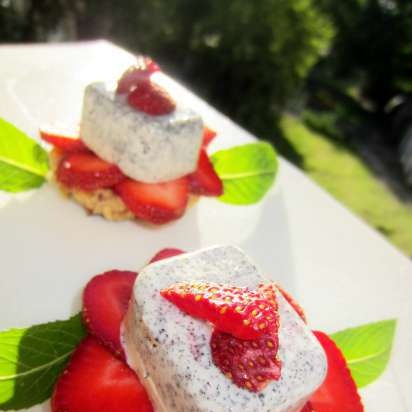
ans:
(342, 272)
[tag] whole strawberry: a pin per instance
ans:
(150, 98)
(239, 311)
(143, 69)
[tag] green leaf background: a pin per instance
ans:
(247, 172)
(23, 162)
(367, 349)
(31, 360)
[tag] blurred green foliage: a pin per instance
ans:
(246, 57)
(372, 48)
(335, 166)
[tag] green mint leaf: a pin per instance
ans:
(23, 162)
(31, 360)
(247, 172)
(367, 349)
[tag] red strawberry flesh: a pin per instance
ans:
(208, 136)
(250, 364)
(338, 393)
(105, 301)
(151, 65)
(205, 181)
(96, 381)
(238, 311)
(64, 139)
(308, 408)
(135, 74)
(151, 99)
(157, 203)
(87, 172)
(270, 289)
(165, 254)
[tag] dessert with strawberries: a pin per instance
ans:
(203, 334)
(140, 153)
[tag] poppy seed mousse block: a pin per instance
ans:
(171, 351)
(146, 148)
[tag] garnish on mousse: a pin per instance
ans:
(239, 311)
(144, 354)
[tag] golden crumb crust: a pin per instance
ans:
(103, 202)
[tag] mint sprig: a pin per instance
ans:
(367, 349)
(31, 360)
(247, 172)
(23, 162)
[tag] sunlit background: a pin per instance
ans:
(328, 82)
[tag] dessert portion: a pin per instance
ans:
(197, 345)
(147, 148)
(189, 364)
(140, 153)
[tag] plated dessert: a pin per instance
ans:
(205, 331)
(141, 152)
(138, 153)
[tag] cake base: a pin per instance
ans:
(103, 202)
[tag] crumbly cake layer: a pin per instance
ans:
(103, 202)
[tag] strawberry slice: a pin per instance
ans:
(165, 253)
(157, 203)
(135, 74)
(338, 392)
(250, 364)
(65, 139)
(238, 311)
(151, 99)
(205, 181)
(88, 172)
(269, 290)
(105, 301)
(96, 381)
(151, 65)
(208, 136)
(307, 408)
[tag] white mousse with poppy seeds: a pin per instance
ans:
(146, 148)
(171, 350)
